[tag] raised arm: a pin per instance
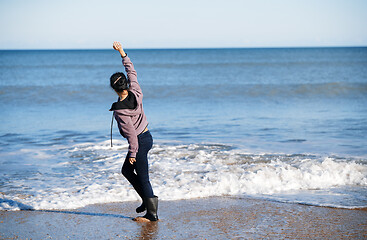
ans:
(129, 68)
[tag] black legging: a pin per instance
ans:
(140, 179)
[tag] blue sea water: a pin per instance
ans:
(288, 124)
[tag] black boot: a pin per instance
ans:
(152, 207)
(141, 208)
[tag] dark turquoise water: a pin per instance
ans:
(310, 101)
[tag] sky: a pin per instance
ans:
(95, 24)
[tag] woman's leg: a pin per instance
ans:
(141, 164)
(128, 172)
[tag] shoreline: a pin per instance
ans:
(204, 218)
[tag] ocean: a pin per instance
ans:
(283, 124)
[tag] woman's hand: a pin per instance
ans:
(132, 160)
(117, 46)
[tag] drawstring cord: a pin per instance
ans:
(111, 129)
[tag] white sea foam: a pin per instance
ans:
(89, 173)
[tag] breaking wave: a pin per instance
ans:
(88, 173)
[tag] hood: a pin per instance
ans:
(130, 107)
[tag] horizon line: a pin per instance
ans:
(185, 48)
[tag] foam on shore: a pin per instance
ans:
(88, 173)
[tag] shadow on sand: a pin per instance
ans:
(81, 213)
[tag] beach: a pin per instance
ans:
(206, 218)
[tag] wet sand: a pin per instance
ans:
(207, 218)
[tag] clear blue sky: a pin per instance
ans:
(73, 24)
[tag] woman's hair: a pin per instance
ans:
(119, 82)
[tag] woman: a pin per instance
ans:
(132, 123)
